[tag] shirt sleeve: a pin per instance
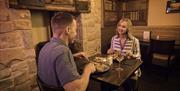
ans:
(66, 68)
(136, 49)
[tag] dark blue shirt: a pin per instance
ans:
(56, 57)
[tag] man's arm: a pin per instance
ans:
(80, 84)
(79, 54)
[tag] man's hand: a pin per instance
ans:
(90, 68)
(80, 54)
(82, 83)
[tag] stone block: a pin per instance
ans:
(2, 66)
(91, 23)
(93, 45)
(4, 14)
(36, 89)
(28, 40)
(23, 87)
(17, 14)
(33, 81)
(6, 27)
(32, 65)
(9, 55)
(92, 52)
(11, 88)
(22, 24)
(19, 66)
(21, 76)
(5, 73)
(10, 40)
(90, 34)
(29, 53)
(5, 83)
(91, 49)
(4, 4)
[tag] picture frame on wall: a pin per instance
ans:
(173, 6)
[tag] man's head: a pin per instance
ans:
(64, 23)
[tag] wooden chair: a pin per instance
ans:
(38, 47)
(43, 86)
(161, 53)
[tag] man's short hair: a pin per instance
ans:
(61, 20)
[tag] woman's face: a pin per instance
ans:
(122, 27)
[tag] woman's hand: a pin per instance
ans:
(110, 51)
(129, 55)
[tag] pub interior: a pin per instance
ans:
(26, 23)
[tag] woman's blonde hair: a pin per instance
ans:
(129, 26)
(129, 23)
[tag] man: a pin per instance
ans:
(56, 66)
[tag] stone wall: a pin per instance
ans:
(91, 28)
(17, 57)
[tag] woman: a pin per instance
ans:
(123, 41)
(128, 46)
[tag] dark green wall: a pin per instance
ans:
(106, 35)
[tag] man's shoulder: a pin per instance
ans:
(60, 48)
(55, 48)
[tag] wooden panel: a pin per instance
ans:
(106, 35)
(53, 5)
(164, 32)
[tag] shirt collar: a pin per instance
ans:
(60, 41)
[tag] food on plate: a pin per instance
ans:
(117, 56)
(100, 67)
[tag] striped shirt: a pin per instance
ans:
(131, 45)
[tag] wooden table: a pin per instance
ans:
(118, 73)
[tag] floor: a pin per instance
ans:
(153, 79)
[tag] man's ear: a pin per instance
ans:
(67, 30)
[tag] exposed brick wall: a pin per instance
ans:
(17, 57)
(91, 26)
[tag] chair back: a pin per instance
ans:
(162, 46)
(45, 87)
(38, 47)
(161, 51)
